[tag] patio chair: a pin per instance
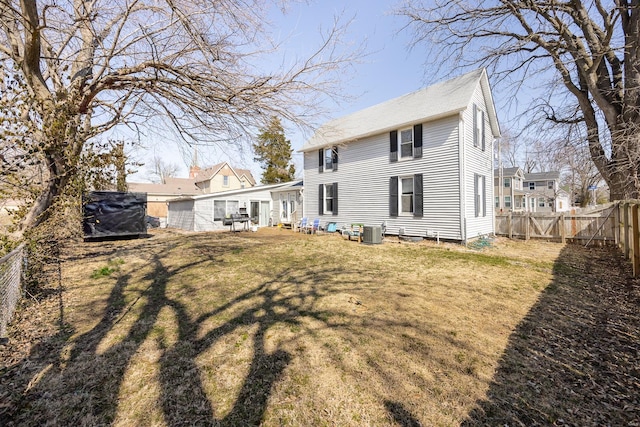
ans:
(303, 224)
(315, 226)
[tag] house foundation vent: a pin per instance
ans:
(372, 234)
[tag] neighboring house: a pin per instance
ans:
(159, 194)
(511, 197)
(221, 177)
(421, 163)
(206, 212)
(532, 192)
(545, 194)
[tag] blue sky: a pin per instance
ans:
(390, 69)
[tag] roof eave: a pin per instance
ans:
(342, 141)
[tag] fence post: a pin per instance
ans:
(563, 232)
(615, 226)
(510, 225)
(636, 240)
(625, 220)
(527, 226)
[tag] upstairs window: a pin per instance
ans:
(532, 186)
(478, 128)
(507, 182)
(408, 141)
(328, 159)
(550, 185)
(225, 180)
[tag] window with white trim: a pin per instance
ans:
(478, 128)
(497, 201)
(406, 195)
(507, 182)
(541, 201)
(328, 198)
(550, 185)
(406, 143)
(480, 195)
(328, 159)
(225, 180)
(532, 186)
(507, 202)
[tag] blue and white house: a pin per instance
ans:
(421, 163)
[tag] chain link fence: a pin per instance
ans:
(11, 266)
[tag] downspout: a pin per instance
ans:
(461, 164)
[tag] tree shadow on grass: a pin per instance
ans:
(83, 385)
(573, 360)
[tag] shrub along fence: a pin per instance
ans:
(616, 223)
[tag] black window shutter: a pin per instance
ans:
(334, 157)
(321, 199)
(476, 202)
(335, 198)
(320, 160)
(417, 141)
(393, 196)
(482, 133)
(484, 197)
(393, 141)
(417, 195)
(475, 125)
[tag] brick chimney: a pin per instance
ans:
(193, 171)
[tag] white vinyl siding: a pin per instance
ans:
(478, 161)
(364, 174)
(202, 213)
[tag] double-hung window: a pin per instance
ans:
(532, 186)
(328, 159)
(480, 195)
(328, 199)
(550, 185)
(225, 180)
(406, 200)
(406, 195)
(407, 141)
(478, 128)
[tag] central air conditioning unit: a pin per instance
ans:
(372, 234)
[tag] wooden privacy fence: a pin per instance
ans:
(616, 223)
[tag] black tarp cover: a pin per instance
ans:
(112, 213)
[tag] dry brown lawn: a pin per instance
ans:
(278, 329)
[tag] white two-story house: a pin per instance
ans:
(421, 163)
(544, 192)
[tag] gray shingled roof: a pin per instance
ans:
(506, 171)
(542, 176)
(430, 103)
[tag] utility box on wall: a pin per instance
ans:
(114, 214)
(372, 234)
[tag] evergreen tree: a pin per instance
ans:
(273, 151)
